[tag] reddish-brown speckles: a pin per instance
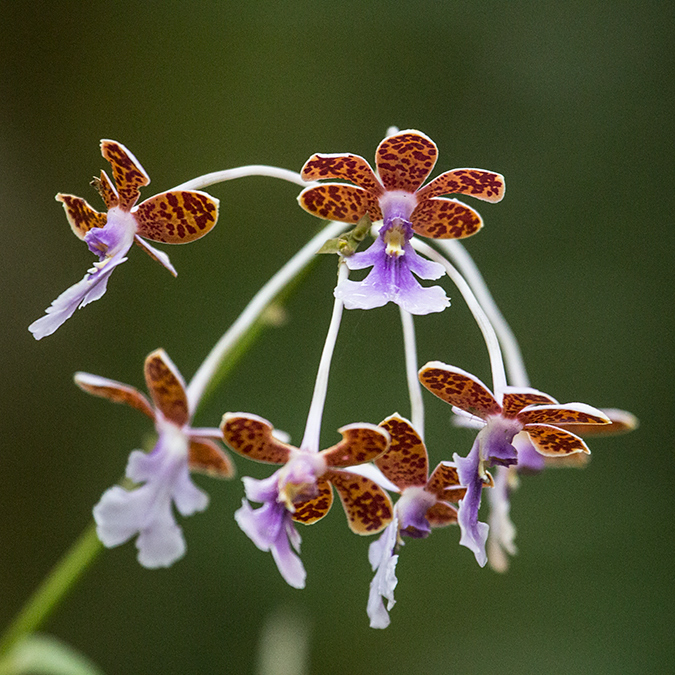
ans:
(405, 160)
(128, 174)
(348, 167)
(336, 201)
(251, 437)
(166, 387)
(206, 457)
(311, 510)
(554, 442)
(460, 389)
(561, 415)
(405, 463)
(81, 216)
(359, 444)
(515, 401)
(485, 185)
(441, 218)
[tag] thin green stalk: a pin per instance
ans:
(53, 588)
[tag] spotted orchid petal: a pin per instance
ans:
(127, 172)
(314, 509)
(81, 216)
(90, 288)
(444, 483)
(114, 391)
(106, 189)
(161, 257)
(552, 441)
(367, 506)
(406, 463)
(486, 185)
(441, 514)
(252, 436)
(206, 457)
(383, 559)
(570, 413)
(176, 217)
(167, 387)
(343, 166)
(459, 388)
(501, 539)
(442, 218)
(360, 443)
(517, 398)
(405, 159)
(337, 201)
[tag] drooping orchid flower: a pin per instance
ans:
(425, 502)
(163, 473)
(521, 410)
(300, 491)
(174, 217)
(396, 196)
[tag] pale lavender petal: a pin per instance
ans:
(474, 533)
(411, 509)
(501, 540)
(119, 514)
(157, 255)
(187, 497)
(162, 544)
(529, 460)
(383, 562)
(91, 287)
(115, 237)
(289, 564)
(496, 442)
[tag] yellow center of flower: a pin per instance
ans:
(394, 238)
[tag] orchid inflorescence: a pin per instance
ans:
(519, 429)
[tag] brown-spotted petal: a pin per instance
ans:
(441, 514)
(368, 507)
(337, 201)
(562, 413)
(177, 216)
(621, 422)
(486, 185)
(251, 436)
(114, 391)
(459, 388)
(167, 387)
(517, 398)
(441, 218)
(554, 442)
(444, 476)
(406, 463)
(316, 508)
(127, 171)
(208, 457)
(360, 443)
(342, 166)
(81, 216)
(405, 159)
(106, 189)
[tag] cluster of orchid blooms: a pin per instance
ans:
(520, 429)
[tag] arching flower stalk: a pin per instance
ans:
(425, 502)
(163, 474)
(174, 217)
(395, 195)
(521, 410)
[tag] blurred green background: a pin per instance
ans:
(572, 101)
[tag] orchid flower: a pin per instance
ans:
(300, 491)
(396, 196)
(522, 409)
(174, 217)
(164, 473)
(425, 502)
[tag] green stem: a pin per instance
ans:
(54, 588)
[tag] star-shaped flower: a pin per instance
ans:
(521, 410)
(396, 195)
(300, 490)
(174, 217)
(164, 473)
(425, 502)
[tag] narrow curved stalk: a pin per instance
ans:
(411, 368)
(253, 311)
(515, 365)
(489, 335)
(244, 172)
(53, 588)
(311, 437)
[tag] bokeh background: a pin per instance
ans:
(572, 101)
